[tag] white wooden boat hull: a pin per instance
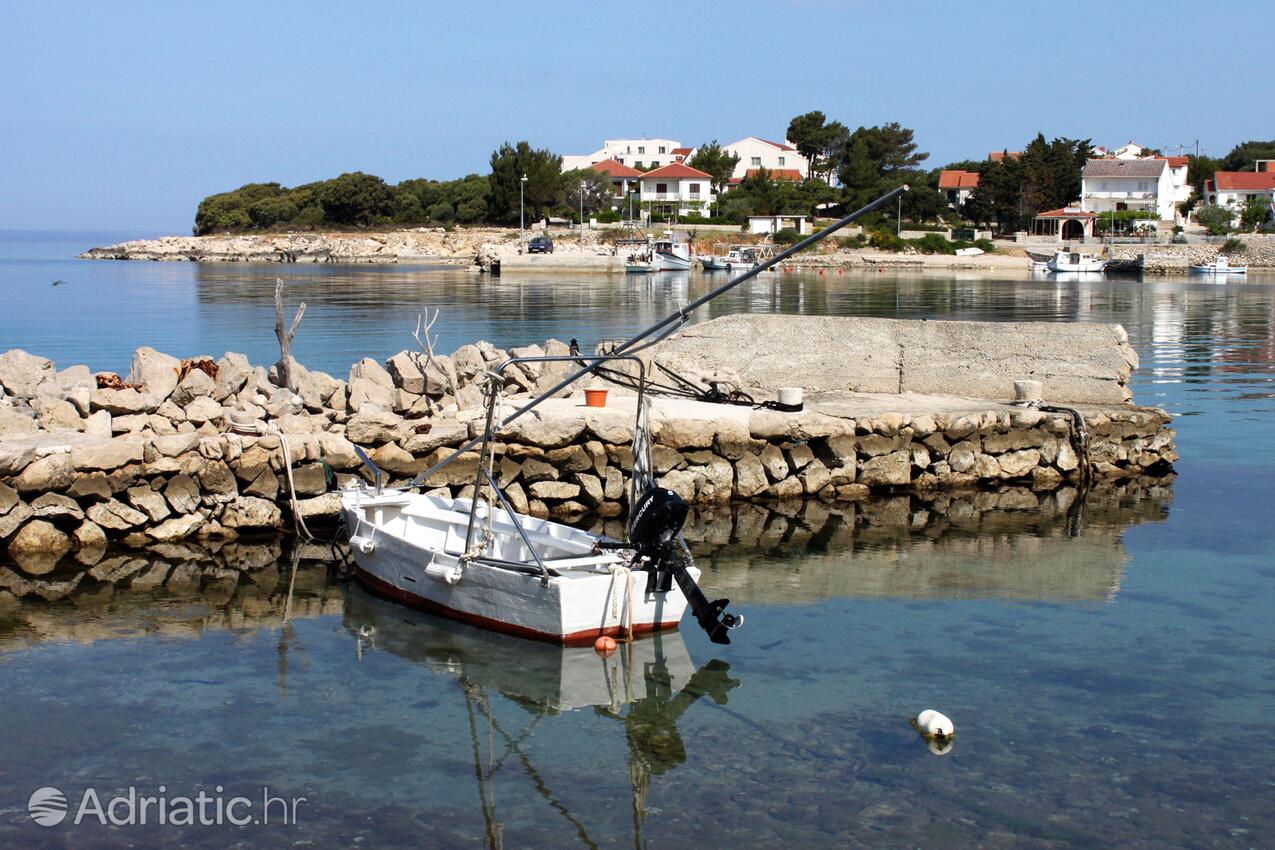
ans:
(671, 262)
(407, 546)
(1084, 267)
(1219, 270)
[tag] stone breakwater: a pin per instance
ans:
(459, 246)
(1256, 251)
(87, 460)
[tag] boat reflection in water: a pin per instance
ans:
(646, 685)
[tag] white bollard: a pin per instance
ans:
(790, 396)
(933, 724)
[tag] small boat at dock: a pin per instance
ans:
(1219, 266)
(1076, 261)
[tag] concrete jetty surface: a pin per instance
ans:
(86, 459)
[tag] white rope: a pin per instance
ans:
(625, 616)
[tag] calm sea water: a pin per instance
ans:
(1107, 659)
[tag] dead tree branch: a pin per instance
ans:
(285, 337)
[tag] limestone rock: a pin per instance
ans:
(216, 478)
(788, 488)
(799, 456)
(570, 458)
(891, 469)
(366, 393)
(404, 369)
(51, 505)
(554, 490)
(684, 433)
(373, 427)
(750, 477)
(468, 362)
(814, 476)
(772, 460)
(89, 535)
(39, 537)
(249, 512)
(591, 489)
(265, 484)
(549, 433)
(325, 507)
(123, 402)
(52, 472)
(57, 415)
(13, 422)
(115, 515)
(8, 498)
(338, 451)
(985, 466)
(99, 424)
(22, 373)
(196, 383)
(442, 432)
(106, 455)
(182, 493)
(203, 409)
(1019, 463)
(176, 528)
(93, 485)
(391, 458)
(155, 371)
(1067, 460)
(12, 519)
(682, 482)
(233, 371)
(148, 501)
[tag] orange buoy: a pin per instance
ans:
(604, 645)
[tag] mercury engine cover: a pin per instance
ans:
(657, 521)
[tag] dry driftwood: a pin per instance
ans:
(285, 337)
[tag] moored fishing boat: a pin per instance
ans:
(1076, 261)
(1219, 266)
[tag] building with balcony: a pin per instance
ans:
(624, 180)
(641, 154)
(776, 157)
(676, 189)
(1108, 185)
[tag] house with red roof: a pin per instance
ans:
(623, 179)
(1234, 189)
(676, 189)
(776, 157)
(957, 185)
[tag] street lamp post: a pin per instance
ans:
(581, 216)
(522, 184)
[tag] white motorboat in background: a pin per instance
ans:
(1076, 261)
(668, 255)
(1219, 266)
(736, 258)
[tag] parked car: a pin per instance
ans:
(540, 245)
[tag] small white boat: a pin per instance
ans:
(736, 258)
(1219, 266)
(411, 547)
(476, 560)
(667, 255)
(636, 266)
(1075, 261)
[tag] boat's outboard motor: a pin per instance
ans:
(657, 521)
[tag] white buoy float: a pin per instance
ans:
(937, 729)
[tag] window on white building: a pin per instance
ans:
(641, 149)
(781, 162)
(620, 160)
(755, 161)
(661, 188)
(694, 189)
(1142, 185)
(662, 150)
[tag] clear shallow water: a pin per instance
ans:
(1107, 662)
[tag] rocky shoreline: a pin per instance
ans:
(196, 448)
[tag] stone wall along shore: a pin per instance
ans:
(1258, 252)
(87, 460)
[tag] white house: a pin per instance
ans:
(1234, 189)
(676, 188)
(1108, 185)
(635, 153)
(781, 159)
(957, 186)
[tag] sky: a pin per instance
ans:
(122, 116)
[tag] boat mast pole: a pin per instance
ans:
(679, 316)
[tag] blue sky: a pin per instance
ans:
(122, 116)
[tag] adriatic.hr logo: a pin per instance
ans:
(48, 806)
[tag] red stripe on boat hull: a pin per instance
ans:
(585, 637)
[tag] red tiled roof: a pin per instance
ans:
(1178, 161)
(615, 169)
(997, 156)
(1067, 212)
(955, 179)
(777, 173)
(781, 145)
(1230, 181)
(677, 170)
(682, 151)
